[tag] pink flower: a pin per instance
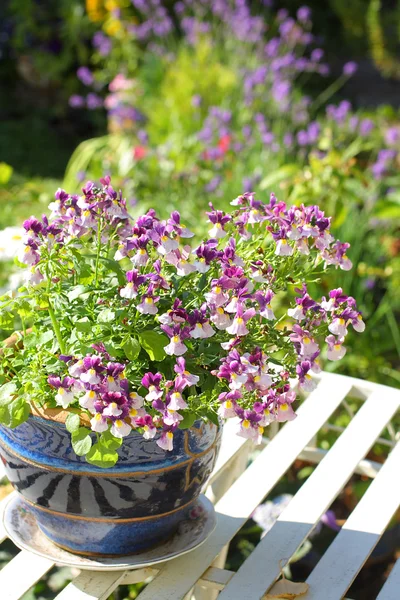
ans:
(238, 326)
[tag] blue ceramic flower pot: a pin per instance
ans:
(107, 512)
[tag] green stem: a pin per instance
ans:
(330, 90)
(96, 277)
(56, 327)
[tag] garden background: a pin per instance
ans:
(186, 103)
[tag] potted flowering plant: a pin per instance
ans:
(135, 344)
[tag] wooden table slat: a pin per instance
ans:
(21, 573)
(345, 557)
(178, 576)
(391, 589)
(263, 566)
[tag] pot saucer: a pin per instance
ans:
(22, 529)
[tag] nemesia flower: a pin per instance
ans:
(165, 442)
(336, 350)
(133, 382)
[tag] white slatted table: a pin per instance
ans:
(237, 491)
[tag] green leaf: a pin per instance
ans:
(6, 320)
(131, 348)
(114, 349)
(108, 440)
(81, 441)
(30, 340)
(285, 172)
(76, 292)
(6, 172)
(106, 316)
(72, 422)
(101, 456)
(114, 266)
(213, 417)
(153, 343)
(187, 421)
(84, 325)
(6, 392)
(19, 411)
(45, 337)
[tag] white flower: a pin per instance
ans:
(201, 265)
(120, 429)
(232, 306)
(237, 381)
(345, 263)
(27, 256)
(176, 402)
(359, 324)
(202, 331)
(221, 320)
(112, 410)
(238, 327)
(99, 423)
(176, 347)
(336, 352)
(11, 242)
(149, 432)
(147, 306)
(268, 313)
(91, 377)
(226, 410)
(338, 327)
(64, 397)
(140, 258)
(308, 347)
(283, 248)
(296, 313)
(136, 400)
(184, 267)
(217, 231)
(87, 401)
(309, 384)
(128, 291)
(166, 441)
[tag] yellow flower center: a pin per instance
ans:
(118, 423)
(246, 423)
(260, 430)
(199, 325)
(284, 407)
(149, 301)
(98, 417)
(306, 340)
(176, 339)
(61, 391)
(220, 310)
(239, 320)
(170, 435)
(91, 394)
(142, 251)
(217, 289)
(110, 379)
(337, 346)
(228, 404)
(133, 412)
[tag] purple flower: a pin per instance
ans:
(93, 101)
(76, 101)
(350, 68)
(85, 75)
(102, 43)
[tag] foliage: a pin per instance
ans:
(106, 340)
